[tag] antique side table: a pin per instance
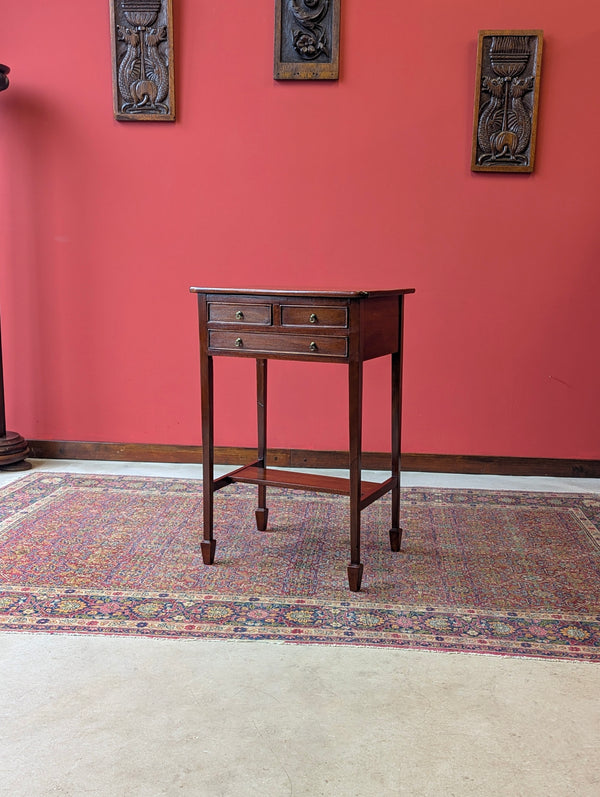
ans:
(322, 326)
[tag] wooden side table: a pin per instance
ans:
(324, 326)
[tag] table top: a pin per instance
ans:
(299, 293)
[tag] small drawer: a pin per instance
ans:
(225, 313)
(263, 343)
(293, 315)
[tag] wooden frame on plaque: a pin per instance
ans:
(507, 91)
(142, 60)
(307, 40)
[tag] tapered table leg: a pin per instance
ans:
(396, 531)
(262, 513)
(208, 544)
(355, 387)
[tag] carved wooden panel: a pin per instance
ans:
(507, 93)
(142, 55)
(307, 39)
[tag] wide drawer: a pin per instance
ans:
(301, 315)
(229, 313)
(264, 343)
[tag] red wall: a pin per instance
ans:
(360, 183)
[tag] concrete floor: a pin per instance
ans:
(141, 717)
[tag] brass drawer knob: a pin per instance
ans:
(239, 315)
(239, 343)
(312, 346)
(313, 318)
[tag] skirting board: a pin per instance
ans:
(298, 458)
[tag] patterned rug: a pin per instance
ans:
(480, 571)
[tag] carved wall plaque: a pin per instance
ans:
(307, 39)
(142, 55)
(507, 93)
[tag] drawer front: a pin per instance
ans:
(298, 315)
(226, 313)
(223, 340)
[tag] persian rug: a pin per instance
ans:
(480, 571)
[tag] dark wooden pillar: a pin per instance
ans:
(13, 448)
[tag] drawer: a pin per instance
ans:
(294, 315)
(227, 313)
(264, 343)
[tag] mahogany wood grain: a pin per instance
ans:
(240, 343)
(240, 313)
(207, 392)
(262, 513)
(346, 327)
(314, 316)
(395, 530)
(319, 483)
(355, 391)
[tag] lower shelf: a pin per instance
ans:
(272, 477)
